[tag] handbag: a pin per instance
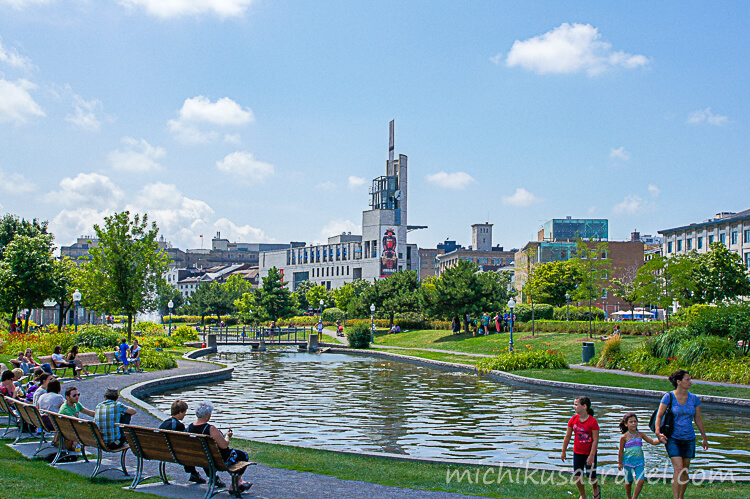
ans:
(667, 421)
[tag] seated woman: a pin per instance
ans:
(135, 356)
(32, 362)
(8, 388)
(203, 415)
(59, 361)
(71, 357)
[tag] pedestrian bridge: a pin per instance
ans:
(258, 337)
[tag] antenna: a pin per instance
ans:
(391, 146)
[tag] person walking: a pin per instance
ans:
(585, 446)
(681, 443)
(630, 456)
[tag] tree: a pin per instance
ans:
(317, 293)
(11, 226)
(301, 292)
(352, 298)
(396, 294)
(272, 301)
(126, 266)
(666, 281)
(169, 293)
(553, 280)
(625, 287)
(593, 265)
(67, 277)
(462, 290)
(27, 273)
(719, 275)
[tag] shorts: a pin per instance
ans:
(580, 468)
(635, 473)
(680, 448)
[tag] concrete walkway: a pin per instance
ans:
(267, 482)
(651, 376)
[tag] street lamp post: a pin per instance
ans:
(567, 306)
(76, 299)
(372, 323)
(511, 305)
(321, 308)
(170, 305)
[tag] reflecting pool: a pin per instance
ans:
(349, 402)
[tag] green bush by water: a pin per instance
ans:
(332, 315)
(542, 359)
(358, 335)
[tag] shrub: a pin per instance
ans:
(640, 360)
(358, 335)
(98, 337)
(151, 359)
(724, 320)
(542, 311)
(706, 348)
(184, 334)
(665, 344)
(542, 359)
(147, 328)
(333, 314)
(612, 351)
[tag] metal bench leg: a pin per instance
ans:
(98, 462)
(138, 473)
(211, 484)
(122, 462)
(60, 450)
(163, 472)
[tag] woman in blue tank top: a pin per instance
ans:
(681, 443)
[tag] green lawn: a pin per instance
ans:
(568, 343)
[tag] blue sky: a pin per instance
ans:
(266, 120)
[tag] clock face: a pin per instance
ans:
(397, 195)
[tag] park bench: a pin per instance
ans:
(89, 361)
(87, 434)
(7, 409)
(29, 419)
(186, 449)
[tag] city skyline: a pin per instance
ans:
(267, 121)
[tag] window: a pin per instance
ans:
(669, 247)
(679, 245)
(700, 242)
(604, 254)
(734, 237)
(689, 243)
(723, 238)
(747, 259)
(710, 240)
(604, 293)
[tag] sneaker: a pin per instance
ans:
(196, 478)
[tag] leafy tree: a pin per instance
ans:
(67, 277)
(11, 226)
(593, 267)
(352, 298)
(211, 298)
(317, 293)
(125, 267)
(27, 273)
(272, 301)
(719, 275)
(167, 293)
(625, 287)
(301, 292)
(553, 280)
(236, 286)
(665, 281)
(461, 290)
(395, 294)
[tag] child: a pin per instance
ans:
(584, 446)
(631, 454)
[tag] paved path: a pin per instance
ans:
(268, 482)
(652, 376)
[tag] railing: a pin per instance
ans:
(253, 334)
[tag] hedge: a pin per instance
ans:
(597, 327)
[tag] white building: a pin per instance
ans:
(729, 229)
(380, 251)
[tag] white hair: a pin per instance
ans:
(204, 409)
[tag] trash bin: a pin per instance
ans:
(588, 352)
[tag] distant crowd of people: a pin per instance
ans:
(481, 325)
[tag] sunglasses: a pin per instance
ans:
(75, 394)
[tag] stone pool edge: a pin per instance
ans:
(514, 379)
(145, 388)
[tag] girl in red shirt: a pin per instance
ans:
(585, 445)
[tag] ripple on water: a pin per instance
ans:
(351, 402)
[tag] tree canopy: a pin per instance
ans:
(550, 282)
(719, 275)
(272, 301)
(125, 267)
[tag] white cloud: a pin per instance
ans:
(653, 190)
(68, 224)
(336, 227)
(243, 164)
(328, 186)
(356, 182)
(178, 8)
(631, 205)
(87, 190)
(12, 58)
(138, 156)
(706, 115)
(520, 198)
(244, 233)
(619, 153)
(457, 180)
(570, 49)
(233, 138)
(201, 111)
(85, 114)
(15, 183)
(16, 104)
